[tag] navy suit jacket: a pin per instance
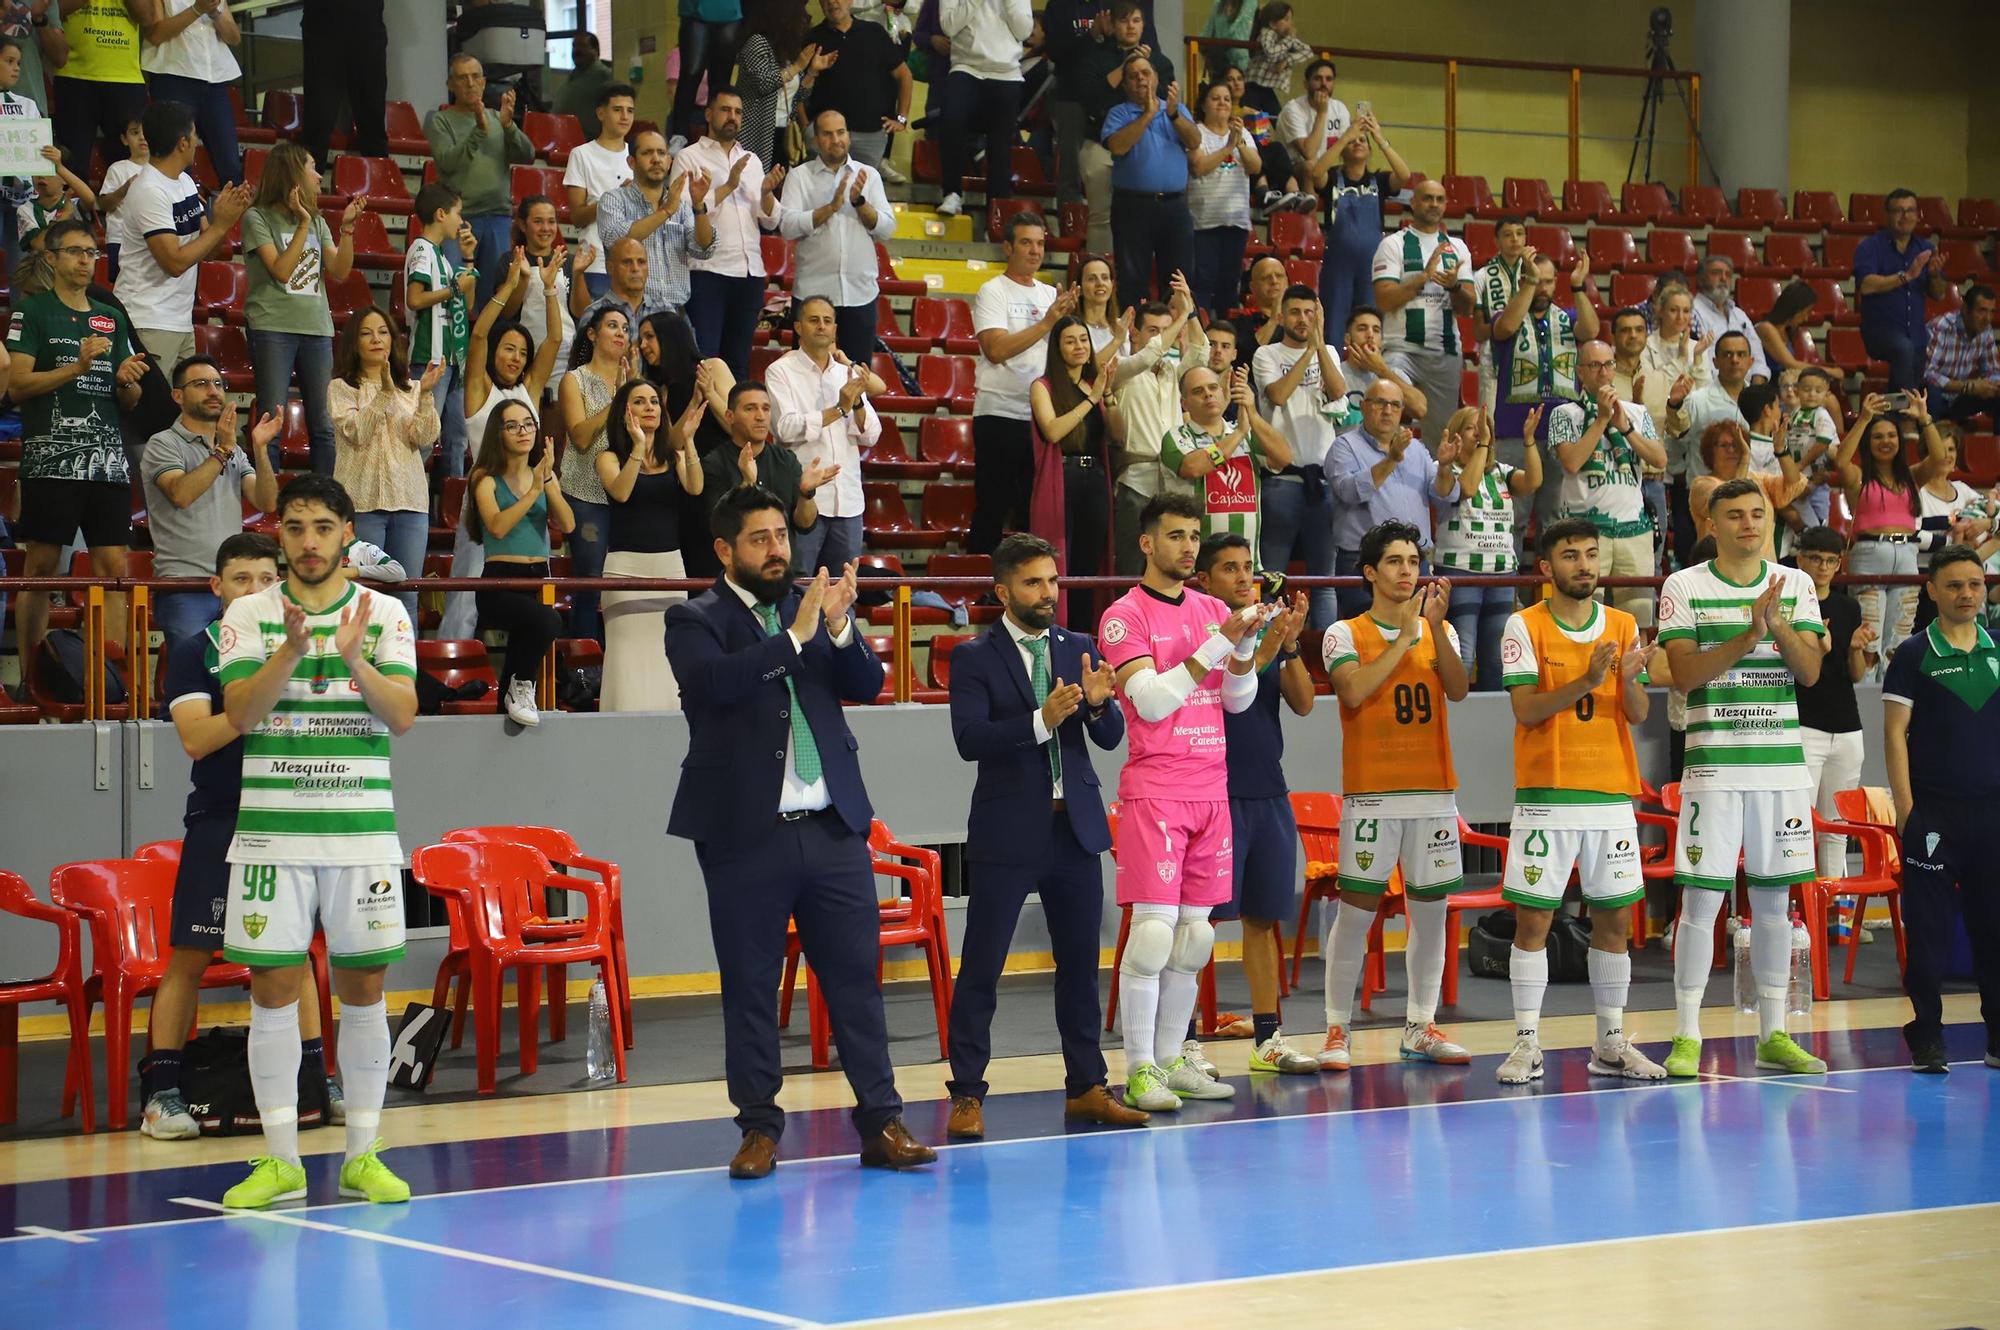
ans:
(993, 722)
(732, 679)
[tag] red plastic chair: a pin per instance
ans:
(965, 565)
(1295, 235)
(1732, 245)
(1757, 209)
(1866, 210)
(1611, 249)
(885, 268)
(941, 646)
(1881, 875)
(1756, 295)
(1318, 817)
(553, 135)
(886, 521)
(946, 441)
(1649, 202)
(219, 291)
(528, 181)
(1489, 899)
(63, 984)
(377, 177)
(1666, 250)
(1554, 241)
(889, 458)
(1820, 210)
(1468, 195)
(405, 132)
(229, 349)
(948, 509)
(372, 246)
(949, 380)
(896, 400)
(1631, 288)
(493, 893)
(247, 129)
(1786, 255)
(284, 112)
(1481, 239)
(1593, 198)
(453, 663)
(347, 295)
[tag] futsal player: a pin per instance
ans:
(1576, 671)
(1169, 644)
(1394, 669)
(1741, 633)
(317, 673)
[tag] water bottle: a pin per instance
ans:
(1746, 977)
(1799, 999)
(598, 1063)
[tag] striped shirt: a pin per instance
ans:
(1743, 727)
(442, 331)
(1428, 323)
(1478, 537)
(316, 769)
(1956, 353)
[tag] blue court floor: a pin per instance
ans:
(641, 1226)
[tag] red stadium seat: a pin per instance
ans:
(372, 247)
(230, 350)
(999, 210)
(1665, 251)
(1982, 459)
(1731, 245)
(889, 458)
(948, 379)
(1983, 214)
(553, 135)
(1831, 302)
(345, 295)
(1837, 253)
(926, 162)
(1866, 210)
(1757, 209)
(946, 441)
(1785, 255)
(1297, 235)
(1756, 295)
(1963, 262)
(1555, 242)
(1700, 205)
(1821, 208)
(885, 269)
(959, 339)
(405, 130)
(1482, 239)
(777, 253)
(1650, 202)
(965, 565)
(886, 521)
(528, 181)
(1303, 272)
(248, 130)
(1468, 195)
(896, 399)
(1529, 196)
(1631, 288)
(1593, 199)
(948, 508)
(219, 290)
(453, 663)
(1934, 218)
(284, 112)
(63, 983)
(378, 178)
(943, 644)
(1611, 249)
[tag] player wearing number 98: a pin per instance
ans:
(1577, 673)
(1394, 668)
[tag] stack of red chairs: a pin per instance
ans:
(1881, 875)
(64, 984)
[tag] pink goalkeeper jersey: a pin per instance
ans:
(1181, 757)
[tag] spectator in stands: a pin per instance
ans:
(1077, 424)
(645, 468)
(1629, 332)
(1276, 50)
(1311, 126)
(1829, 716)
(1535, 344)
(1716, 312)
(1425, 276)
(538, 234)
(476, 150)
(1603, 445)
(1351, 219)
(595, 169)
(1501, 278)
(752, 457)
(1725, 450)
(669, 357)
(43, 45)
(1950, 512)
(820, 408)
(1222, 350)
(726, 286)
(19, 96)
(982, 95)
(1782, 336)
(1810, 434)
(289, 253)
(771, 68)
(75, 369)
(1231, 21)
(664, 217)
(1097, 308)
(1894, 270)
(512, 501)
(112, 191)
(631, 284)
(1166, 340)
(383, 425)
(438, 294)
(600, 363)
(1882, 494)
(1300, 387)
(1073, 27)
(1150, 137)
(1012, 315)
(1692, 406)
(866, 80)
(1220, 167)
(1381, 472)
(836, 209)
(1675, 354)
(1477, 537)
(1226, 458)
(350, 45)
(710, 32)
(1264, 321)
(156, 283)
(186, 59)
(588, 76)
(1362, 363)
(100, 86)
(56, 196)
(197, 479)
(1962, 366)
(1117, 38)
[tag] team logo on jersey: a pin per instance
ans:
(1114, 631)
(1442, 834)
(1669, 607)
(103, 324)
(1365, 858)
(1694, 854)
(226, 639)
(379, 888)
(1211, 628)
(253, 924)
(1793, 823)
(1623, 846)
(1533, 873)
(1930, 844)
(217, 908)
(1166, 870)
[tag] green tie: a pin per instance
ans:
(1038, 647)
(805, 753)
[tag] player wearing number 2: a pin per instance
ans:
(1393, 670)
(1577, 672)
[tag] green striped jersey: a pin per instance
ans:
(1427, 322)
(1743, 727)
(442, 331)
(1478, 537)
(316, 770)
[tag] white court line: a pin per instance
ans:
(60, 1235)
(1784, 1082)
(504, 1263)
(1232, 1280)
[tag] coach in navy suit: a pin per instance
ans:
(1023, 697)
(771, 796)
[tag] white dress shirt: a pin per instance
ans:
(836, 260)
(738, 250)
(800, 394)
(1021, 638)
(1148, 384)
(797, 796)
(1710, 317)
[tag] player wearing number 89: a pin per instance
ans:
(1393, 670)
(317, 673)
(1576, 671)
(1739, 634)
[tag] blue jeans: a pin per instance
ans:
(1904, 353)
(495, 233)
(724, 313)
(214, 118)
(1346, 284)
(404, 536)
(181, 615)
(450, 397)
(586, 547)
(274, 356)
(1294, 527)
(1478, 614)
(832, 543)
(1217, 279)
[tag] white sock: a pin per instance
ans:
(274, 1055)
(364, 1069)
(1179, 990)
(1528, 972)
(1770, 956)
(1423, 959)
(1610, 982)
(1345, 949)
(1694, 956)
(1138, 1010)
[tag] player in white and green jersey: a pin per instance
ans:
(1423, 286)
(317, 673)
(1740, 633)
(1227, 461)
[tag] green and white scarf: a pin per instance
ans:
(1544, 358)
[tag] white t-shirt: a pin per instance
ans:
(1298, 116)
(116, 233)
(155, 206)
(596, 171)
(1426, 323)
(1303, 418)
(1003, 303)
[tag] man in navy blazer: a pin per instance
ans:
(771, 796)
(1023, 697)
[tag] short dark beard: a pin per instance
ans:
(1034, 618)
(1574, 595)
(768, 591)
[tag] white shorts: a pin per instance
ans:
(1426, 847)
(273, 909)
(1606, 859)
(1771, 829)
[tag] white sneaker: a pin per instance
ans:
(1197, 1057)
(1186, 1080)
(1146, 1088)
(167, 1118)
(1524, 1064)
(1616, 1057)
(952, 206)
(1274, 1054)
(891, 175)
(1428, 1044)
(521, 704)
(1333, 1054)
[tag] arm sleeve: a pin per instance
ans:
(1337, 647)
(1122, 638)
(241, 641)
(1353, 483)
(1156, 697)
(153, 214)
(396, 647)
(794, 419)
(1806, 615)
(1899, 683)
(1388, 264)
(186, 677)
(1239, 691)
(614, 213)
(1676, 613)
(1518, 664)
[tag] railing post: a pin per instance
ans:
(901, 659)
(1575, 124)
(138, 655)
(546, 687)
(93, 653)
(1451, 117)
(1191, 71)
(1694, 130)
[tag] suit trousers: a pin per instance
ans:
(1070, 881)
(818, 872)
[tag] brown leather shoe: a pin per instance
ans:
(755, 1158)
(894, 1147)
(967, 1122)
(1097, 1105)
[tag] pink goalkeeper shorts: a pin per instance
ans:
(1174, 852)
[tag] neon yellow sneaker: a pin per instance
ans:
(270, 1181)
(1779, 1053)
(1146, 1088)
(1684, 1058)
(366, 1178)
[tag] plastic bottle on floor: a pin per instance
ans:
(598, 1063)
(1745, 978)
(1800, 999)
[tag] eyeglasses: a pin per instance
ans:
(518, 426)
(216, 384)
(80, 251)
